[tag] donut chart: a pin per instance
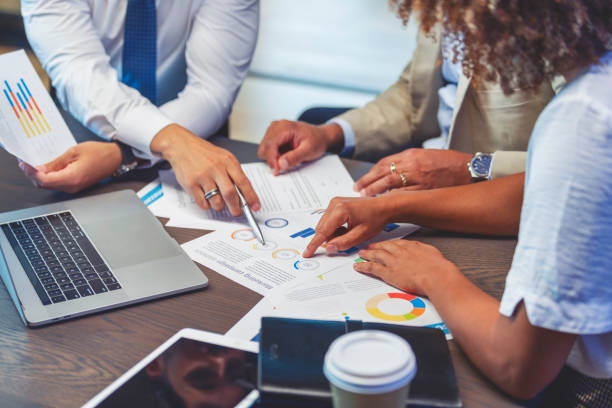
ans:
(269, 246)
(418, 306)
(285, 254)
(245, 234)
(306, 265)
(276, 223)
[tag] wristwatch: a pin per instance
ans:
(480, 166)
(128, 161)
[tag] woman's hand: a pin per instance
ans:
(423, 169)
(79, 167)
(364, 218)
(408, 265)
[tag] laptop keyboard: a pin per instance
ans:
(58, 258)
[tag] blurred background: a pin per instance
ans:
(309, 53)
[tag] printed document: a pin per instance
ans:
(309, 187)
(234, 252)
(31, 127)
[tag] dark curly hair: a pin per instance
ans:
(518, 43)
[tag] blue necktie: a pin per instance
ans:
(140, 48)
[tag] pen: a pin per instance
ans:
(250, 218)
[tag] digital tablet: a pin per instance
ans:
(193, 368)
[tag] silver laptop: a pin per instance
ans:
(68, 259)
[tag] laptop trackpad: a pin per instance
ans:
(131, 240)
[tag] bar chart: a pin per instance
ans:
(32, 127)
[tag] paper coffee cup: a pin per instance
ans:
(369, 368)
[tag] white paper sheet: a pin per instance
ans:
(234, 252)
(152, 195)
(339, 295)
(31, 127)
(310, 187)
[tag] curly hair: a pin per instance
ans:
(518, 43)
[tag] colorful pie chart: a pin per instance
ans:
(418, 307)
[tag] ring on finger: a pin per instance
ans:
(211, 193)
(392, 168)
(404, 179)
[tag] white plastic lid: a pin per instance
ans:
(369, 362)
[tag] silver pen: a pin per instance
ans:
(250, 218)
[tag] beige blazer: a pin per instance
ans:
(484, 119)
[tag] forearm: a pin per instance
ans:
(491, 207)
(519, 358)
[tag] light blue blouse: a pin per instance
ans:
(562, 267)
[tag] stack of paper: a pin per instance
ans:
(324, 286)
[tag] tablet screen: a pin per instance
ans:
(190, 373)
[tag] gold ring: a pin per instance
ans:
(392, 167)
(404, 180)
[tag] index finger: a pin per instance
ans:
(245, 187)
(379, 170)
(269, 147)
(325, 229)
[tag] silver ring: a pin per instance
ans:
(404, 180)
(392, 167)
(210, 194)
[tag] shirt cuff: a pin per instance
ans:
(506, 163)
(139, 127)
(349, 136)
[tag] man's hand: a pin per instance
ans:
(423, 169)
(299, 141)
(200, 166)
(364, 218)
(79, 167)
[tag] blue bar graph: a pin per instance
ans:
(390, 227)
(349, 251)
(303, 233)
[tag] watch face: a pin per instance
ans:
(481, 165)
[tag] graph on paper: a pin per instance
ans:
(31, 126)
(26, 109)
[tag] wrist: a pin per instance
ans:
(443, 277)
(334, 137)
(167, 141)
(115, 156)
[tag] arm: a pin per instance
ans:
(218, 55)
(490, 207)
(86, 83)
(517, 356)
(405, 113)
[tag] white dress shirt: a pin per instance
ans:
(204, 48)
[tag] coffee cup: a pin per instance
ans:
(369, 368)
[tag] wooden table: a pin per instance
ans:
(65, 364)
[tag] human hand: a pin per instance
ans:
(200, 166)
(304, 141)
(408, 265)
(79, 167)
(423, 168)
(364, 218)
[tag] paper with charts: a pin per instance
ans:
(234, 252)
(309, 187)
(341, 294)
(31, 127)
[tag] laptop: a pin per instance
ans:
(77, 257)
